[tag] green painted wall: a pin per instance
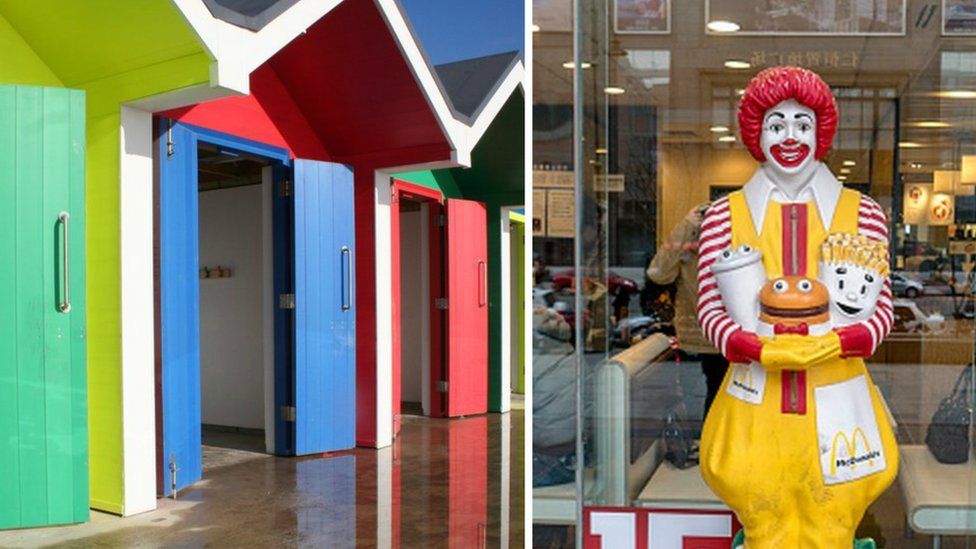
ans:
(441, 180)
(497, 178)
(117, 52)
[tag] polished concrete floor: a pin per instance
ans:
(445, 484)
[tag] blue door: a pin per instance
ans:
(325, 311)
(179, 288)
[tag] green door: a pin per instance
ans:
(43, 396)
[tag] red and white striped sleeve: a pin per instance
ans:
(873, 224)
(714, 237)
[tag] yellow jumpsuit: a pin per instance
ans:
(765, 462)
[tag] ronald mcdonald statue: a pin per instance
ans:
(794, 290)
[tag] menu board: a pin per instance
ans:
(808, 17)
(642, 16)
(538, 212)
(560, 213)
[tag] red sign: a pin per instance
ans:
(639, 528)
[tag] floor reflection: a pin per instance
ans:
(444, 484)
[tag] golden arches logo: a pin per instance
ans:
(742, 375)
(851, 445)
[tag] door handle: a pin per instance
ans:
(347, 279)
(65, 304)
(482, 283)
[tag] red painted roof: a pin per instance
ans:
(341, 90)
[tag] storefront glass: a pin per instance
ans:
(621, 372)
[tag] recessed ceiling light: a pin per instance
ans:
(842, 178)
(931, 124)
(536, 28)
(719, 129)
(850, 163)
(845, 171)
(737, 64)
(957, 94)
(723, 26)
(613, 90)
(909, 145)
(727, 139)
(601, 151)
(740, 91)
(571, 65)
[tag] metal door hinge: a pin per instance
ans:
(286, 188)
(441, 386)
(441, 303)
(170, 146)
(172, 475)
(286, 301)
(288, 413)
(441, 220)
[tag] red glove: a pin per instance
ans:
(855, 341)
(743, 347)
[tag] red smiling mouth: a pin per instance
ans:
(790, 153)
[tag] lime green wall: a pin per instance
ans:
(117, 52)
(20, 64)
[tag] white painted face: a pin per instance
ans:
(789, 137)
(854, 292)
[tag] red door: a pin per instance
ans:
(467, 308)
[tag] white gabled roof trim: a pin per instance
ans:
(237, 51)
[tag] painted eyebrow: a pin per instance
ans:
(799, 114)
(777, 113)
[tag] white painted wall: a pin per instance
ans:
(231, 309)
(138, 304)
(411, 287)
(415, 310)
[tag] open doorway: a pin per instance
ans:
(236, 284)
(418, 291)
(267, 337)
(218, 375)
(414, 300)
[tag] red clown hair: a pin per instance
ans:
(777, 84)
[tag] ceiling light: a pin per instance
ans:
(601, 151)
(845, 170)
(957, 94)
(841, 178)
(737, 64)
(850, 163)
(931, 124)
(572, 65)
(909, 145)
(613, 90)
(719, 129)
(740, 91)
(723, 26)
(536, 28)
(727, 139)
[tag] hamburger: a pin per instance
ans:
(794, 300)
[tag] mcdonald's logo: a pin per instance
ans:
(742, 378)
(851, 445)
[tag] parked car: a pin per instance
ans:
(903, 286)
(615, 282)
(910, 319)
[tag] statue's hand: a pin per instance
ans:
(796, 352)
